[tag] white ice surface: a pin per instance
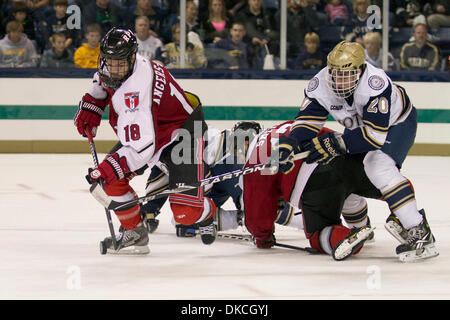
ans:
(50, 228)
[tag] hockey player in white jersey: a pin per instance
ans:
(148, 110)
(379, 120)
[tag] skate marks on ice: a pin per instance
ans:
(50, 247)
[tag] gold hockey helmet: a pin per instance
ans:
(345, 64)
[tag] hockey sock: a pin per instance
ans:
(326, 239)
(129, 218)
(226, 219)
(402, 202)
(122, 191)
(356, 219)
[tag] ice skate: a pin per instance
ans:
(128, 242)
(240, 218)
(151, 223)
(354, 241)
(186, 231)
(396, 229)
(207, 231)
(371, 238)
(419, 244)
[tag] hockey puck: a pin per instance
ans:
(103, 248)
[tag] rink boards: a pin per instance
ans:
(36, 114)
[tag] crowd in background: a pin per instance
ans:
(223, 34)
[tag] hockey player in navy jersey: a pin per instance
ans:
(225, 152)
(380, 122)
(148, 110)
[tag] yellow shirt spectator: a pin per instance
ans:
(86, 57)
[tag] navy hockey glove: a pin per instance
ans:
(283, 152)
(325, 148)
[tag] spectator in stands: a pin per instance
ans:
(319, 8)
(58, 56)
(374, 54)
(38, 9)
(21, 14)
(147, 9)
(235, 47)
(408, 13)
(440, 16)
(419, 54)
(149, 46)
(217, 24)
(312, 57)
(358, 25)
(86, 56)
(192, 21)
(301, 19)
(16, 50)
(57, 23)
(194, 55)
(259, 25)
(37, 4)
(105, 13)
(337, 12)
(235, 6)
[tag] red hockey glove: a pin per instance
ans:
(111, 169)
(89, 114)
(266, 243)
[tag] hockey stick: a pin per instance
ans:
(95, 158)
(247, 237)
(100, 195)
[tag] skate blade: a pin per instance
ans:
(394, 229)
(345, 249)
(429, 251)
(371, 238)
(132, 250)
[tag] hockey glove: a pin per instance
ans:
(89, 114)
(325, 148)
(111, 169)
(265, 243)
(283, 152)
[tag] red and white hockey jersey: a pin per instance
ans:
(145, 112)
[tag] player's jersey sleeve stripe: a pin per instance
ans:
(312, 118)
(307, 126)
(309, 120)
(374, 127)
(368, 137)
(406, 103)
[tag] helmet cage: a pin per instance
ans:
(117, 45)
(342, 82)
(240, 138)
(108, 78)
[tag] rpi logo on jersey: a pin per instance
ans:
(132, 100)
